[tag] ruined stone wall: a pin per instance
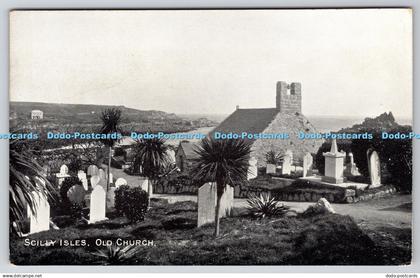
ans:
(291, 124)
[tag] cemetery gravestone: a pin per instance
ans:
(271, 169)
(307, 164)
(119, 182)
(102, 174)
(207, 198)
(39, 220)
(374, 170)
(94, 181)
(286, 165)
(97, 205)
(252, 169)
(92, 170)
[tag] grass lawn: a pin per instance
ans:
(321, 240)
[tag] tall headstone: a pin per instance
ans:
(307, 164)
(146, 185)
(374, 169)
(97, 205)
(76, 194)
(207, 199)
(271, 169)
(111, 178)
(119, 182)
(39, 220)
(92, 170)
(252, 169)
(286, 165)
(334, 161)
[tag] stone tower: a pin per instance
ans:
(289, 97)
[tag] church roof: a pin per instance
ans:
(247, 120)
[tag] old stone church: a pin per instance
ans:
(286, 117)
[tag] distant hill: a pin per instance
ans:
(385, 121)
(56, 115)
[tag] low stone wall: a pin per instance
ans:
(344, 196)
(173, 189)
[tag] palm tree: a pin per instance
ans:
(111, 119)
(26, 177)
(151, 155)
(224, 162)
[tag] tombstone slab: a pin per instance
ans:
(39, 220)
(252, 169)
(374, 169)
(286, 165)
(97, 205)
(307, 164)
(92, 170)
(334, 161)
(207, 198)
(271, 169)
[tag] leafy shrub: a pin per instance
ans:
(265, 206)
(66, 185)
(271, 157)
(395, 156)
(131, 202)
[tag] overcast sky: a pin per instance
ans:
(350, 62)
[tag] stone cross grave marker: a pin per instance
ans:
(252, 169)
(97, 205)
(307, 164)
(207, 195)
(374, 169)
(39, 221)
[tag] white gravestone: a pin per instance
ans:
(334, 161)
(252, 169)
(307, 164)
(81, 175)
(94, 180)
(290, 154)
(111, 178)
(119, 182)
(92, 170)
(286, 165)
(40, 219)
(64, 170)
(271, 169)
(374, 170)
(102, 174)
(64, 173)
(97, 205)
(146, 185)
(207, 198)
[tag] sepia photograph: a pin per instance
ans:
(211, 137)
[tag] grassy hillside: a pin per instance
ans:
(88, 115)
